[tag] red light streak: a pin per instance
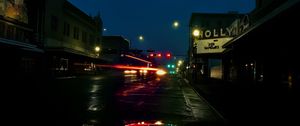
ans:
(122, 67)
(137, 58)
(134, 67)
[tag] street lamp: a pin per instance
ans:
(175, 24)
(141, 38)
(196, 32)
(97, 48)
(179, 62)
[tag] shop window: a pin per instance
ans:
(10, 32)
(61, 64)
(84, 36)
(19, 35)
(76, 33)
(66, 29)
(91, 39)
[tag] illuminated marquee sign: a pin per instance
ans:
(237, 26)
(215, 33)
(212, 40)
(211, 45)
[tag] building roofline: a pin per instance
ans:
(116, 36)
(196, 14)
(269, 16)
(80, 12)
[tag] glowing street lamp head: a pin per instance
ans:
(180, 61)
(141, 38)
(175, 24)
(97, 48)
(196, 32)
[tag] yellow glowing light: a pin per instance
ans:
(130, 71)
(158, 123)
(161, 72)
(126, 71)
(133, 71)
(97, 48)
(143, 71)
(176, 24)
(196, 32)
(180, 62)
(141, 38)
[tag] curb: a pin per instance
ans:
(219, 114)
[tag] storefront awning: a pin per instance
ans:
(21, 45)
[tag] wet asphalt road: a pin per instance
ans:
(113, 98)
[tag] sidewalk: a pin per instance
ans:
(202, 111)
(243, 104)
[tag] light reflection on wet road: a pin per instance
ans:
(112, 99)
(153, 99)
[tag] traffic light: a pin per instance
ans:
(169, 66)
(168, 55)
(172, 72)
(173, 66)
(159, 55)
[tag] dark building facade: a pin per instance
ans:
(112, 47)
(47, 35)
(208, 32)
(20, 38)
(70, 38)
(266, 54)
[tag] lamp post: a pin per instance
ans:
(196, 34)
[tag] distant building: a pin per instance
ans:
(21, 47)
(208, 32)
(70, 37)
(112, 48)
(118, 43)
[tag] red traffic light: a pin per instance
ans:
(168, 55)
(159, 55)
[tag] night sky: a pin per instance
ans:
(154, 18)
